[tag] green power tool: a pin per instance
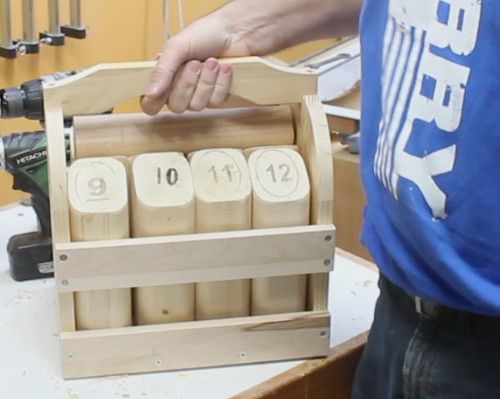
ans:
(24, 155)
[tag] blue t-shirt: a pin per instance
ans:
(430, 149)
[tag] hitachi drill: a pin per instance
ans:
(24, 155)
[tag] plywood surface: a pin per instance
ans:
(34, 353)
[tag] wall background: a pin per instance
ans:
(118, 30)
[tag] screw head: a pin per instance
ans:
(327, 262)
(328, 238)
(158, 362)
(63, 257)
(242, 354)
(323, 334)
(65, 282)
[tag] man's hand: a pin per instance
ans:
(187, 76)
(180, 78)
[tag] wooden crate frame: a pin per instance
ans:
(248, 254)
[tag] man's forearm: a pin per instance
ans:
(270, 25)
(239, 28)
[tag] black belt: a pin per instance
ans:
(446, 314)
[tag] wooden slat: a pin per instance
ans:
(194, 257)
(101, 87)
(329, 378)
(56, 169)
(59, 210)
(313, 139)
(195, 344)
(357, 259)
(67, 321)
(129, 134)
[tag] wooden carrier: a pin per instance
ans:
(292, 116)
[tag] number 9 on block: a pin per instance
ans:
(98, 199)
(98, 202)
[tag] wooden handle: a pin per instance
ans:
(129, 134)
(101, 87)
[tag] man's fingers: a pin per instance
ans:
(153, 105)
(184, 87)
(206, 85)
(168, 62)
(222, 86)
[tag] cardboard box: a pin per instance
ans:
(349, 201)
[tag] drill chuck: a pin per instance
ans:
(27, 99)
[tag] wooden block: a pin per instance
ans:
(281, 189)
(281, 195)
(222, 190)
(98, 199)
(223, 202)
(162, 195)
(98, 203)
(162, 203)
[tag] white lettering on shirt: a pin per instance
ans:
(432, 89)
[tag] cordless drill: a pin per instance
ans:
(24, 155)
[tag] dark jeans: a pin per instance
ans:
(412, 356)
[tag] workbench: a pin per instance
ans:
(29, 352)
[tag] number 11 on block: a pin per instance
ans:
(223, 202)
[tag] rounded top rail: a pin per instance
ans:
(101, 87)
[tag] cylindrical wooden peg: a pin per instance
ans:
(162, 202)
(98, 202)
(131, 134)
(281, 194)
(223, 202)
